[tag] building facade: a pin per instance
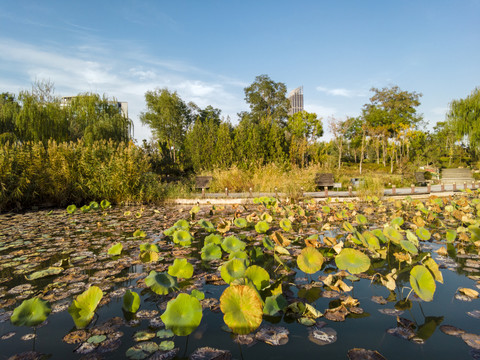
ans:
(296, 100)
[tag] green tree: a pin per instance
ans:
(464, 116)
(9, 108)
(304, 128)
(169, 118)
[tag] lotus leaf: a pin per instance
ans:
(96, 339)
(451, 235)
(393, 234)
(181, 268)
(149, 247)
(165, 334)
(372, 240)
(258, 276)
(281, 250)
(195, 209)
(182, 224)
(423, 233)
(149, 256)
(115, 249)
(131, 301)
(85, 208)
(183, 314)
(266, 217)
(105, 204)
(326, 209)
(31, 312)
(83, 307)
(223, 226)
(398, 221)
(160, 283)
(140, 233)
(242, 308)
(182, 237)
(231, 270)
(433, 267)
(94, 205)
(240, 254)
(310, 260)
(211, 252)
(379, 234)
(262, 227)
(408, 246)
(412, 238)
(232, 243)
(213, 239)
(268, 243)
(361, 219)
(274, 304)
(141, 350)
(240, 222)
(352, 260)
(286, 225)
(198, 294)
(348, 227)
(422, 282)
(71, 209)
(166, 345)
(207, 225)
(44, 273)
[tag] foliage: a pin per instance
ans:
(31, 312)
(83, 307)
(183, 314)
(242, 308)
(131, 301)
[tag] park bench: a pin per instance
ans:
(322, 180)
(420, 178)
(203, 182)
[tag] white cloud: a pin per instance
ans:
(341, 92)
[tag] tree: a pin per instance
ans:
(267, 99)
(9, 108)
(169, 117)
(339, 130)
(464, 115)
(304, 128)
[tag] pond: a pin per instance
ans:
(397, 278)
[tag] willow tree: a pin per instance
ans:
(464, 115)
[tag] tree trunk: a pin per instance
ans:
(340, 146)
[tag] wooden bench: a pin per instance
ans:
(420, 178)
(203, 182)
(322, 180)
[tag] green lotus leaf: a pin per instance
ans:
(281, 250)
(326, 209)
(348, 227)
(182, 224)
(165, 333)
(232, 243)
(409, 246)
(266, 217)
(372, 240)
(182, 237)
(166, 345)
(149, 247)
(198, 294)
(131, 301)
(71, 209)
(31, 312)
(412, 238)
(115, 249)
(361, 219)
(94, 205)
(170, 231)
(83, 307)
(213, 239)
(149, 256)
(181, 268)
(142, 350)
(379, 234)
(231, 270)
(393, 234)
(268, 243)
(262, 227)
(143, 335)
(286, 225)
(240, 254)
(398, 221)
(53, 270)
(422, 282)
(211, 252)
(195, 209)
(423, 233)
(451, 235)
(310, 260)
(352, 260)
(85, 208)
(105, 204)
(240, 222)
(207, 225)
(140, 233)
(433, 267)
(160, 283)
(183, 314)
(258, 276)
(274, 304)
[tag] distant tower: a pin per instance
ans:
(296, 100)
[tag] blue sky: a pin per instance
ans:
(208, 51)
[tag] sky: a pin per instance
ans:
(210, 50)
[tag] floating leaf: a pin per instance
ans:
(242, 308)
(266, 217)
(149, 247)
(182, 237)
(44, 273)
(141, 350)
(182, 224)
(348, 227)
(408, 246)
(115, 249)
(258, 276)
(207, 225)
(274, 304)
(398, 221)
(361, 219)
(96, 339)
(451, 235)
(240, 222)
(198, 294)
(181, 268)
(262, 227)
(310, 260)
(231, 270)
(105, 204)
(166, 345)
(140, 233)
(131, 301)
(183, 314)
(149, 256)
(286, 225)
(322, 336)
(232, 243)
(473, 294)
(30, 312)
(83, 307)
(422, 282)
(71, 209)
(364, 354)
(165, 334)
(213, 239)
(393, 234)
(160, 283)
(352, 260)
(423, 233)
(85, 208)
(211, 252)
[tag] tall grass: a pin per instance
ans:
(371, 186)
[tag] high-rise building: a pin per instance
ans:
(296, 100)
